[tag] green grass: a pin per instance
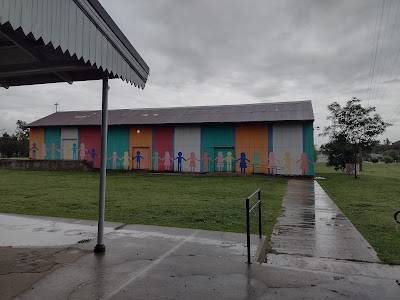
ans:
(202, 202)
(370, 202)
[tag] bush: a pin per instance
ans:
(374, 160)
(388, 159)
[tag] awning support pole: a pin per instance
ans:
(103, 166)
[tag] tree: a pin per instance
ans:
(15, 145)
(354, 126)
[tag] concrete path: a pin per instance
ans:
(312, 225)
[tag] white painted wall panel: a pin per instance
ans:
(69, 143)
(69, 133)
(287, 147)
(187, 140)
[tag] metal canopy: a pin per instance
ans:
(47, 41)
(63, 41)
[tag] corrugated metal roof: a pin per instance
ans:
(83, 28)
(260, 112)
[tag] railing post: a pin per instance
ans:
(259, 213)
(248, 229)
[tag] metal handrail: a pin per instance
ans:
(397, 216)
(248, 210)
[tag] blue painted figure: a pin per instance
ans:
(179, 158)
(92, 156)
(138, 157)
(74, 150)
(243, 164)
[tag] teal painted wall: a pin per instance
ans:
(52, 138)
(117, 141)
(215, 136)
(308, 145)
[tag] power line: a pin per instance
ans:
(377, 85)
(376, 49)
(373, 47)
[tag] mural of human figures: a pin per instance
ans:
(229, 161)
(243, 162)
(114, 158)
(126, 160)
(34, 149)
(220, 161)
(82, 152)
(167, 159)
(272, 163)
(304, 161)
(179, 159)
(192, 162)
(138, 157)
(43, 151)
(93, 155)
(288, 160)
(206, 161)
(74, 151)
(53, 150)
(155, 159)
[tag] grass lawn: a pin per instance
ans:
(370, 202)
(203, 202)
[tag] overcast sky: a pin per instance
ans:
(236, 52)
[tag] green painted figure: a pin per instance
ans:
(74, 150)
(256, 161)
(156, 157)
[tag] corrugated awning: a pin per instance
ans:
(45, 41)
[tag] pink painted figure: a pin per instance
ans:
(167, 160)
(272, 163)
(220, 161)
(82, 152)
(114, 158)
(206, 159)
(192, 162)
(304, 163)
(43, 151)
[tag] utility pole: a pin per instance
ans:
(56, 104)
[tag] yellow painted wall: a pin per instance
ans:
(250, 139)
(139, 140)
(36, 135)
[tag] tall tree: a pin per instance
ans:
(356, 125)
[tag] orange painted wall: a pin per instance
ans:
(36, 135)
(250, 139)
(142, 139)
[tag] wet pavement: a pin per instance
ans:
(312, 225)
(151, 262)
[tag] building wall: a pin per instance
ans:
(287, 148)
(252, 140)
(187, 143)
(215, 139)
(283, 148)
(162, 148)
(141, 147)
(118, 148)
(36, 144)
(52, 139)
(90, 145)
(69, 143)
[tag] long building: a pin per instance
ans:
(270, 138)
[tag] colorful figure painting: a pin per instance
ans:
(34, 149)
(304, 161)
(82, 150)
(192, 162)
(93, 155)
(167, 160)
(272, 166)
(138, 157)
(155, 161)
(229, 161)
(287, 160)
(74, 150)
(179, 158)
(114, 159)
(43, 151)
(126, 160)
(206, 161)
(220, 161)
(243, 162)
(256, 163)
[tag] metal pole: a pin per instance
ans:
(259, 212)
(248, 230)
(103, 166)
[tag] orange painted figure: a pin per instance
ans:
(206, 159)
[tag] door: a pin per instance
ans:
(224, 159)
(141, 158)
(69, 149)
